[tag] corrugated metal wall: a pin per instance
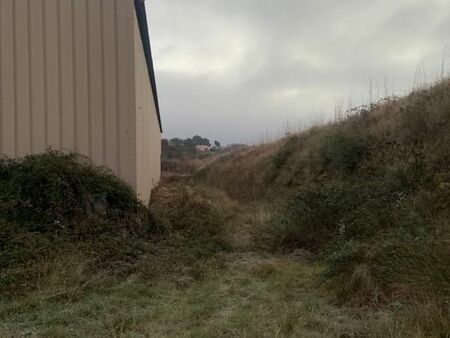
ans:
(147, 132)
(67, 81)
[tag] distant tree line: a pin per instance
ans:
(177, 147)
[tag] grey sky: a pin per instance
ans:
(237, 70)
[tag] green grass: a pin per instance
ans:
(242, 296)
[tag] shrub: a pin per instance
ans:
(53, 192)
(198, 215)
(280, 159)
(54, 201)
(353, 209)
(431, 316)
(415, 266)
(286, 151)
(342, 153)
(393, 265)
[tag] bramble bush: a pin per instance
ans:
(52, 191)
(52, 201)
(341, 153)
(356, 208)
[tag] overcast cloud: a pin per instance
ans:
(237, 70)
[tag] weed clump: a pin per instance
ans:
(199, 215)
(415, 266)
(357, 208)
(342, 153)
(283, 155)
(362, 227)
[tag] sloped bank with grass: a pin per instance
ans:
(370, 196)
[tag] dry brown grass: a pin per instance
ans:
(398, 129)
(399, 132)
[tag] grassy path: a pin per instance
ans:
(239, 295)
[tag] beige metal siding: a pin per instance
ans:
(22, 78)
(8, 87)
(37, 59)
(67, 67)
(52, 91)
(72, 76)
(81, 88)
(95, 80)
(148, 133)
(126, 90)
(110, 80)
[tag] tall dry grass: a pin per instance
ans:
(369, 192)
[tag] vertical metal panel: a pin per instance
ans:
(110, 80)
(95, 80)
(148, 137)
(52, 69)
(126, 90)
(1, 86)
(67, 75)
(22, 78)
(38, 143)
(8, 66)
(81, 85)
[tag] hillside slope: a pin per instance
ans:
(396, 131)
(369, 195)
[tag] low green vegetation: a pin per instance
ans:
(235, 296)
(341, 153)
